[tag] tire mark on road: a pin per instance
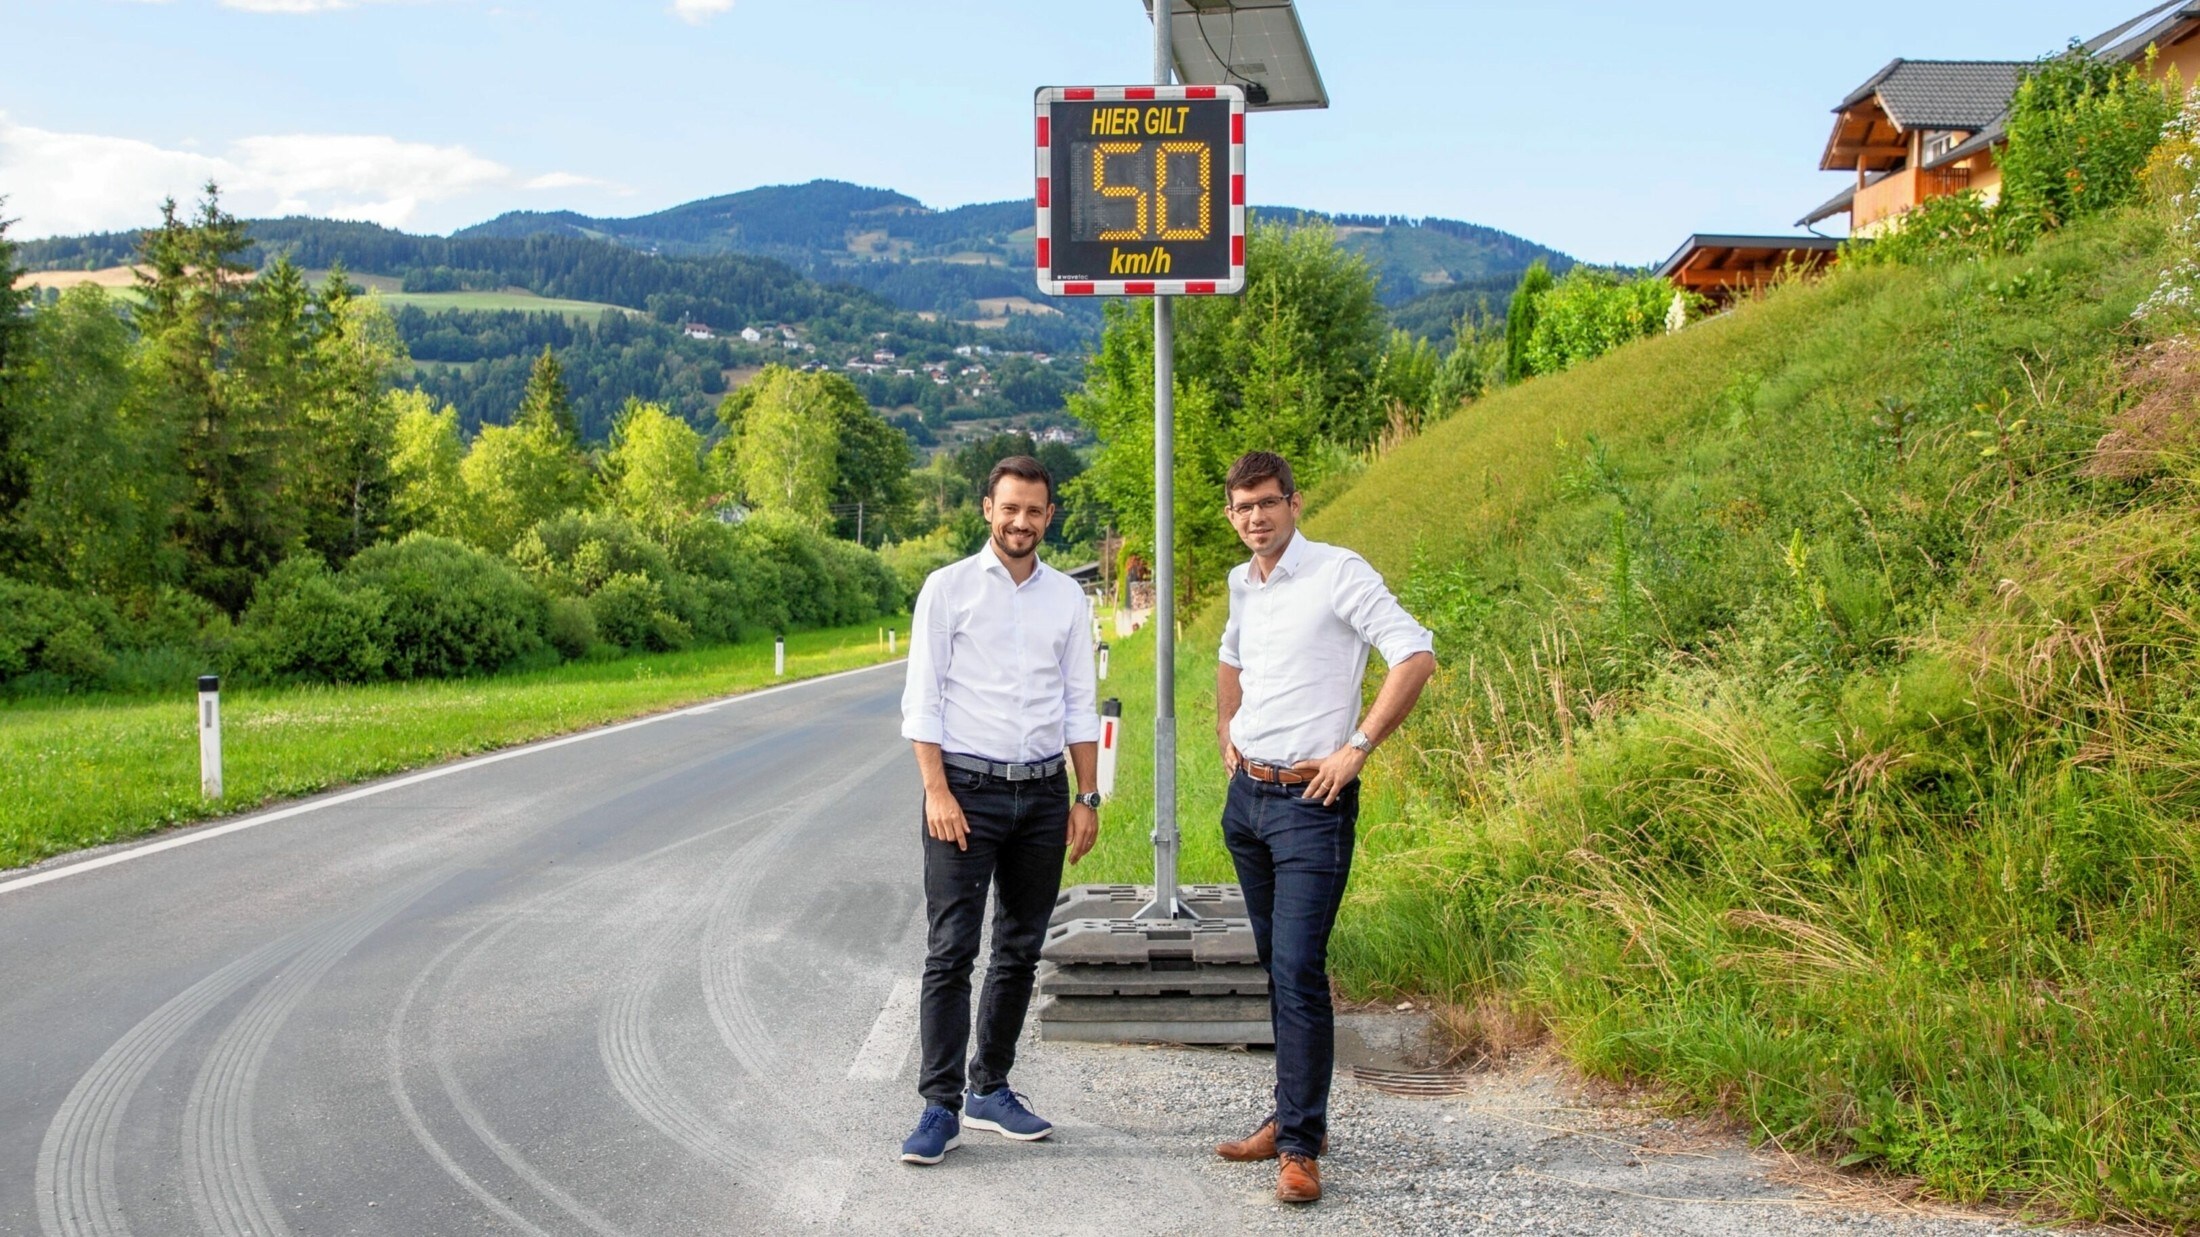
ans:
(77, 1189)
(221, 1160)
(630, 1058)
(458, 956)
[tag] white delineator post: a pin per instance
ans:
(1103, 668)
(1165, 904)
(1111, 728)
(779, 658)
(893, 642)
(210, 736)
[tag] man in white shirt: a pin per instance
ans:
(1294, 653)
(1000, 682)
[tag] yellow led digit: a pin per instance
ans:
(1101, 186)
(1161, 186)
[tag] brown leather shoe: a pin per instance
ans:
(1258, 1145)
(1298, 1179)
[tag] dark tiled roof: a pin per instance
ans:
(1941, 94)
(2130, 40)
(1831, 206)
(1992, 135)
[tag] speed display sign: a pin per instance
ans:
(1141, 190)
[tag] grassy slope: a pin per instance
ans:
(75, 773)
(1817, 733)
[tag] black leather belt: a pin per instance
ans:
(1007, 773)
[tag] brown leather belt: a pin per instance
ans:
(1281, 775)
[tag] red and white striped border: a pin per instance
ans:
(1140, 287)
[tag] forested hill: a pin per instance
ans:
(921, 258)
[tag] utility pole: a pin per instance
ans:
(1166, 838)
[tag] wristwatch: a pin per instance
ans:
(1360, 742)
(1090, 798)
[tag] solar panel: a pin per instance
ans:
(1255, 44)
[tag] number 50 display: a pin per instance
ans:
(1141, 190)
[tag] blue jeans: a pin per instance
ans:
(1293, 856)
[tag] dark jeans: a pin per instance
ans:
(1293, 856)
(1018, 837)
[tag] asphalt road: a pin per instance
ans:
(658, 981)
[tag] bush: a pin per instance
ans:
(630, 612)
(1958, 225)
(2080, 131)
(1589, 313)
(304, 623)
(570, 627)
(64, 638)
(452, 610)
(913, 561)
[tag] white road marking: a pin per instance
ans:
(429, 775)
(886, 1048)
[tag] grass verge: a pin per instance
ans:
(77, 773)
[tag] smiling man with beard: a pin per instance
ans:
(1000, 683)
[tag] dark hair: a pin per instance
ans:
(1254, 467)
(1024, 467)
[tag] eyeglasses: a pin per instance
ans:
(1266, 506)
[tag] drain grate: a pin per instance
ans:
(1414, 1082)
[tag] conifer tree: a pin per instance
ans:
(1520, 318)
(546, 401)
(201, 340)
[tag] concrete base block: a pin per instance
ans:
(1124, 901)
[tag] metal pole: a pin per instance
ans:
(210, 736)
(1165, 904)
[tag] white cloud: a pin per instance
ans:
(696, 12)
(61, 183)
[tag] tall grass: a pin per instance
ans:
(1818, 731)
(77, 772)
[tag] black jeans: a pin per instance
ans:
(1293, 856)
(1019, 833)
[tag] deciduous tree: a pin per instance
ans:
(790, 441)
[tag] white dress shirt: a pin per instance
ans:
(1299, 639)
(997, 669)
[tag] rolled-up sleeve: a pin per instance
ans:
(1365, 603)
(929, 641)
(1080, 686)
(1229, 651)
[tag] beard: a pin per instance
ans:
(1000, 542)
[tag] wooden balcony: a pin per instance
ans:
(1896, 192)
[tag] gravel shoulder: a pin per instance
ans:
(1523, 1148)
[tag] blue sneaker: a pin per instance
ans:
(938, 1132)
(1003, 1112)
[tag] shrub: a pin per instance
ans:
(2080, 131)
(452, 609)
(570, 627)
(65, 638)
(630, 612)
(913, 561)
(303, 623)
(1958, 225)
(1589, 313)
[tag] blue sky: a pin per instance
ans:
(1610, 131)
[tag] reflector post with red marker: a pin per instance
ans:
(1111, 729)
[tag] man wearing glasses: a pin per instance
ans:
(1287, 693)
